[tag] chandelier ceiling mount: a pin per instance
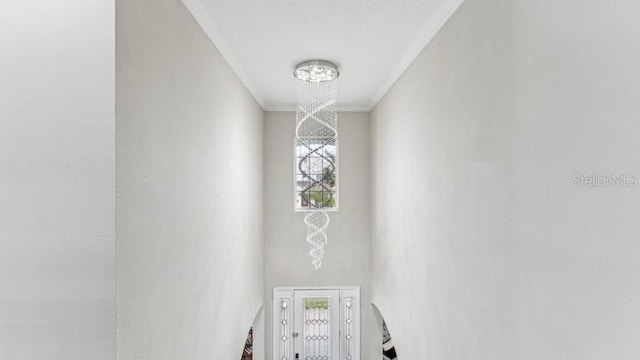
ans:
(316, 71)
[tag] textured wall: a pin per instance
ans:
(346, 260)
(57, 288)
(189, 191)
(483, 247)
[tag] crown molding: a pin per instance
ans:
(427, 34)
(340, 108)
(200, 13)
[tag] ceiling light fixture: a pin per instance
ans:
(316, 71)
(316, 150)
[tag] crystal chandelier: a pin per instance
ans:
(316, 144)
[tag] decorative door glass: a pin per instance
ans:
(317, 324)
(316, 331)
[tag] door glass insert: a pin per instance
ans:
(284, 329)
(316, 329)
(348, 328)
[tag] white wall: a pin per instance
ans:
(57, 289)
(346, 261)
(189, 191)
(482, 246)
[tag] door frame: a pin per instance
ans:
(349, 321)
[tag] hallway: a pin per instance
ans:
(489, 198)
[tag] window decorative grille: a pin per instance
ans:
(316, 169)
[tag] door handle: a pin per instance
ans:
(295, 334)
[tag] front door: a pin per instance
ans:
(316, 331)
(316, 324)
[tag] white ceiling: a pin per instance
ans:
(371, 41)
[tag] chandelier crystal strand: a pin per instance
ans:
(317, 127)
(317, 222)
